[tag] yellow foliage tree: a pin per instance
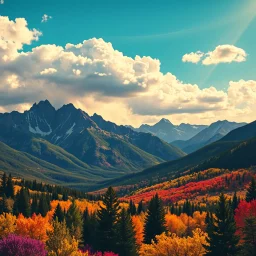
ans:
(7, 224)
(175, 225)
(170, 245)
(35, 227)
(60, 243)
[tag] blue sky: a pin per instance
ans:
(165, 30)
(161, 29)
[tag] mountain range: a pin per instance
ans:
(169, 132)
(54, 144)
(207, 136)
(234, 150)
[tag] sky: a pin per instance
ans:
(132, 62)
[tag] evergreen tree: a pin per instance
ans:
(222, 238)
(107, 217)
(58, 213)
(22, 204)
(251, 191)
(172, 209)
(132, 208)
(155, 219)
(140, 207)
(90, 226)
(34, 205)
(3, 185)
(249, 231)
(55, 195)
(9, 191)
(234, 202)
(74, 221)
(43, 206)
(125, 235)
(65, 196)
(4, 206)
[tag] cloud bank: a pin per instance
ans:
(98, 78)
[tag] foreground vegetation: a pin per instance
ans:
(39, 219)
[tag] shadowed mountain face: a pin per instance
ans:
(210, 134)
(69, 138)
(235, 150)
(168, 132)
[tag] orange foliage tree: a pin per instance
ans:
(138, 229)
(35, 227)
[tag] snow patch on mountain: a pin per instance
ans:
(70, 130)
(37, 130)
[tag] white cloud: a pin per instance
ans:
(225, 54)
(47, 71)
(45, 18)
(221, 54)
(1, 1)
(95, 76)
(14, 34)
(77, 72)
(193, 57)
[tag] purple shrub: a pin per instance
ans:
(14, 245)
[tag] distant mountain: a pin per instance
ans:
(69, 138)
(207, 136)
(235, 150)
(168, 132)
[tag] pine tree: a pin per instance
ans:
(234, 202)
(140, 207)
(43, 206)
(251, 191)
(34, 205)
(155, 219)
(58, 213)
(107, 217)
(222, 238)
(249, 231)
(132, 208)
(22, 204)
(9, 191)
(125, 236)
(90, 225)
(3, 185)
(4, 205)
(74, 221)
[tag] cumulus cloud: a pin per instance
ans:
(45, 18)
(225, 54)
(98, 78)
(1, 1)
(193, 57)
(221, 54)
(15, 34)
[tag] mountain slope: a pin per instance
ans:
(168, 132)
(71, 139)
(25, 165)
(209, 135)
(212, 155)
(242, 155)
